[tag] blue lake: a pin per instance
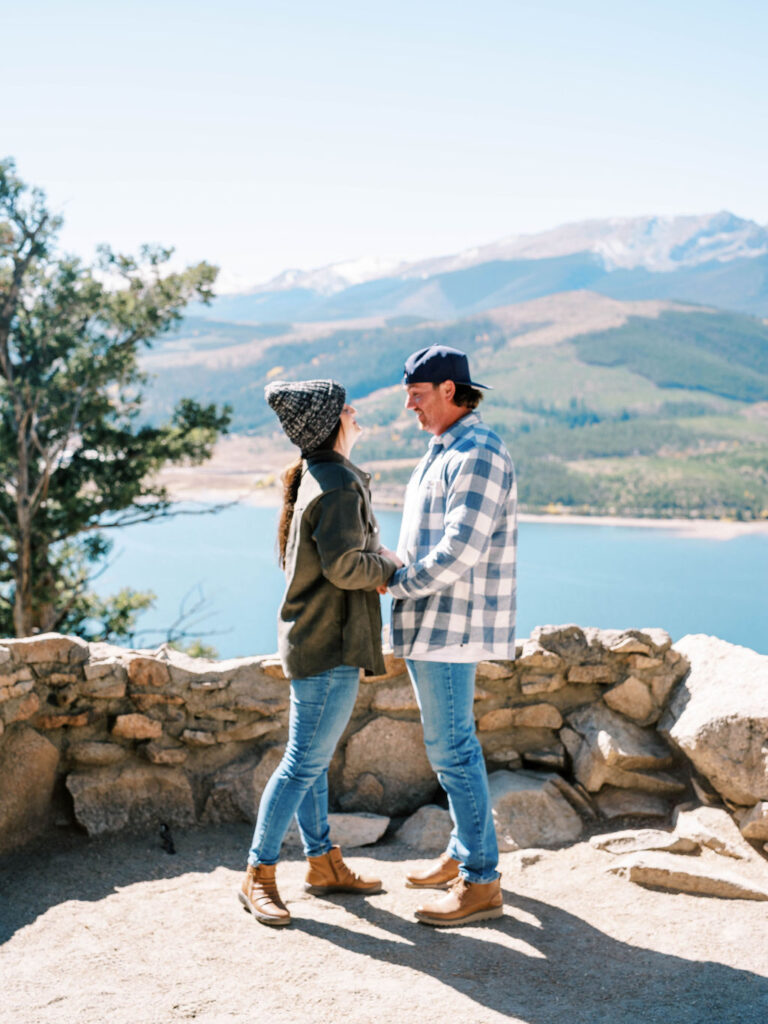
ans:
(608, 576)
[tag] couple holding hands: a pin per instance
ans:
(452, 581)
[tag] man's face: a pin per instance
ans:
(433, 405)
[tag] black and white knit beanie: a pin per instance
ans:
(308, 410)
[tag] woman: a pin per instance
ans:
(329, 627)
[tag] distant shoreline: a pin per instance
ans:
(248, 469)
(714, 529)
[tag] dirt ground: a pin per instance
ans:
(115, 931)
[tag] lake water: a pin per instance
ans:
(594, 575)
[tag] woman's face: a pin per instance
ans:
(350, 429)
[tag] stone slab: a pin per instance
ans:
(688, 875)
(612, 803)
(96, 753)
(713, 828)
(638, 840)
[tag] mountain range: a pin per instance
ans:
(715, 259)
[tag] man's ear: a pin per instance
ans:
(448, 389)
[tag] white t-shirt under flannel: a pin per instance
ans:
(458, 541)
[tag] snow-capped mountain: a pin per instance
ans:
(713, 259)
(656, 244)
(335, 277)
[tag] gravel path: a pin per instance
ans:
(118, 932)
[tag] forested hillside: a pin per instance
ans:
(662, 412)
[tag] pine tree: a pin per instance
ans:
(75, 457)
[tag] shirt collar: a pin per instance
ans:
(456, 430)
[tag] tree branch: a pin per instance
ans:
(164, 514)
(174, 633)
(42, 484)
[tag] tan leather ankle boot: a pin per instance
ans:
(329, 873)
(440, 874)
(259, 895)
(464, 903)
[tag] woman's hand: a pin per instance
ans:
(393, 557)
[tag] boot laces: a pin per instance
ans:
(460, 886)
(346, 875)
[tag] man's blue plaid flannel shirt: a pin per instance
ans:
(458, 541)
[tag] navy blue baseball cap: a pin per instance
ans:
(437, 363)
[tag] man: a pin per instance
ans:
(455, 606)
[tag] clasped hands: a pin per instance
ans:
(392, 556)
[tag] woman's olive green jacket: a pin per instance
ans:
(330, 613)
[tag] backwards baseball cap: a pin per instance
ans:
(308, 410)
(438, 363)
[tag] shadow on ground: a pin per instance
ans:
(559, 969)
(540, 963)
(39, 876)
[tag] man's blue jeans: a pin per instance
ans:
(320, 709)
(445, 692)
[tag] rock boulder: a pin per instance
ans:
(529, 810)
(392, 751)
(428, 830)
(236, 788)
(347, 830)
(28, 764)
(754, 824)
(136, 796)
(619, 753)
(718, 717)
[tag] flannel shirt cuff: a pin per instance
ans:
(395, 587)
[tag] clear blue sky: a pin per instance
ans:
(263, 136)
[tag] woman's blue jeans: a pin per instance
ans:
(321, 706)
(445, 692)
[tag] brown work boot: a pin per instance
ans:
(441, 874)
(464, 903)
(329, 873)
(259, 895)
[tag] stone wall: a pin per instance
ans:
(114, 738)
